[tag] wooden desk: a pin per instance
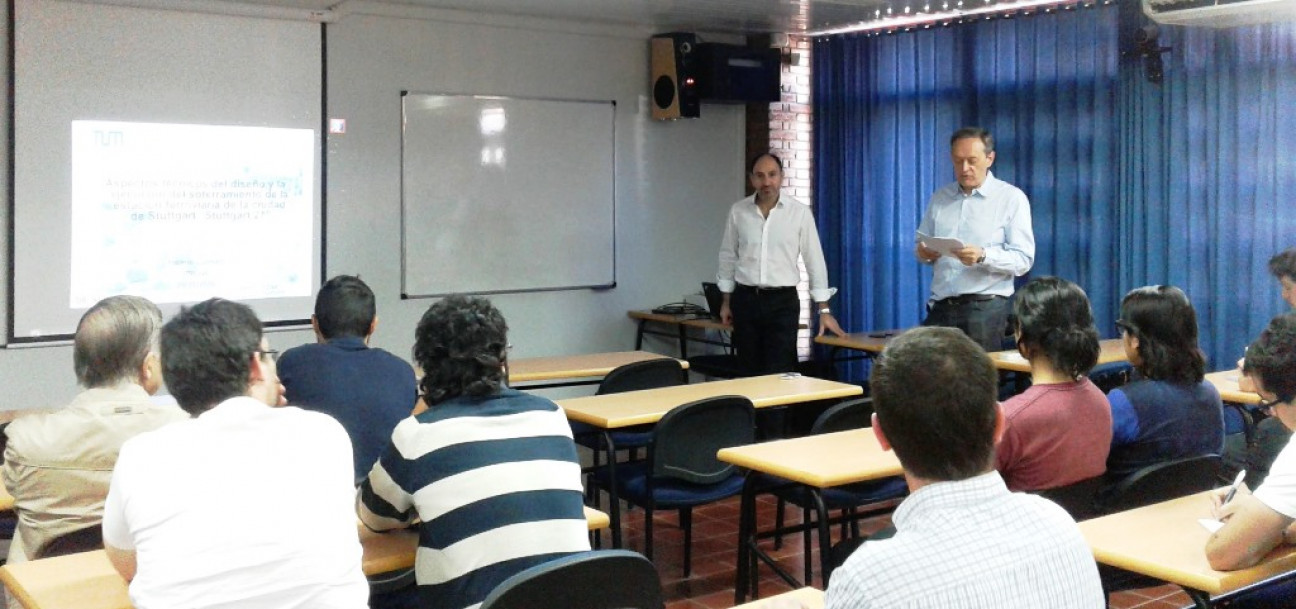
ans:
(88, 581)
(1110, 350)
(588, 369)
(1226, 381)
(681, 325)
(809, 598)
(649, 405)
(646, 407)
(6, 500)
(818, 462)
(870, 343)
(1165, 541)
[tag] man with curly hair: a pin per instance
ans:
(491, 472)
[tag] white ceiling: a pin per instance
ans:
(721, 16)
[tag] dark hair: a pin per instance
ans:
(113, 338)
(935, 393)
(1272, 358)
(344, 307)
(1284, 264)
(751, 165)
(461, 344)
(1055, 321)
(984, 135)
(207, 351)
(1165, 323)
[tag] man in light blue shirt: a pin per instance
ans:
(991, 219)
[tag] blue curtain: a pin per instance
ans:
(1130, 182)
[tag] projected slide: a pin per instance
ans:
(180, 213)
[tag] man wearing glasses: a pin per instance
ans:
(243, 505)
(1256, 523)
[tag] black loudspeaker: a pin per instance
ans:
(738, 74)
(674, 90)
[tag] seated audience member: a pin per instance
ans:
(1270, 434)
(491, 472)
(1256, 523)
(244, 505)
(1059, 430)
(983, 546)
(367, 390)
(1169, 411)
(57, 465)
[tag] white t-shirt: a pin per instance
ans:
(245, 506)
(1278, 491)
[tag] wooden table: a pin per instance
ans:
(6, 500)
(818, 462)
(809, 598)
(570, 370)
(1109, 351)
(1165, 541)
(680, 325)
(869, 344)
(88, 581)
(1226, 381)
(647, 406)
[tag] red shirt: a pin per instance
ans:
(1054, 435)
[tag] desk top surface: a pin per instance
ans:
(822, 461)
(1109, 350)
(576, 366)
(1165, 541)
(1226, 381)
(647, 406)
(871, 342)
(809, 598)
(88, 581)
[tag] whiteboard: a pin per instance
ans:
(506, 195)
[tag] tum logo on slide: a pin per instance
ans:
(109, 138)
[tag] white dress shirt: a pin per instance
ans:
(996, 217)
(763, 252)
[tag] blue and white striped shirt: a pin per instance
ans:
(496, 483)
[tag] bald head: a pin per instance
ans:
(113, 339)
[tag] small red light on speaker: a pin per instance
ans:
(688, 81)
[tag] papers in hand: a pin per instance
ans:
(946, 246)
(1211, 524)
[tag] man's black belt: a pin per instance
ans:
(963, 299)
(760, 290)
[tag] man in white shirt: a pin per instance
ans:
(1256, 523)
(970, 286)
(244, 505)
(764, 237)
(934, 392)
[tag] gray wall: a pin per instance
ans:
(674, 180)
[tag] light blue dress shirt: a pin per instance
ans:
(995, 216)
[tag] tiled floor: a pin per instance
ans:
(715, 533)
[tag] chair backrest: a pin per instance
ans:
(851, 414)
(599, 579)
(1079, 499)
(1161, 482)
(649, 374)
(687, 438)
(80, 540)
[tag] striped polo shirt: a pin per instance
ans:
(496, 483)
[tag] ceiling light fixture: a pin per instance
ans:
(909, 20)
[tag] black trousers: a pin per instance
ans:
(765, 324)
(983, 318)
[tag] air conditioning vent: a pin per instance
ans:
(1219, 13)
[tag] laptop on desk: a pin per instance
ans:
(714, 298)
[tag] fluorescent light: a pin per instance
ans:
(910, 20)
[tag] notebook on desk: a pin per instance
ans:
(714, 298)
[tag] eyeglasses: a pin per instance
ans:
(273, 354)
(1267, 405)
(1124, 327)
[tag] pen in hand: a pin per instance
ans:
(1234, 488)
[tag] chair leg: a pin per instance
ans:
(806, 544)
(854, 523)
(648, 532)
(778, 523)
(686, 523)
